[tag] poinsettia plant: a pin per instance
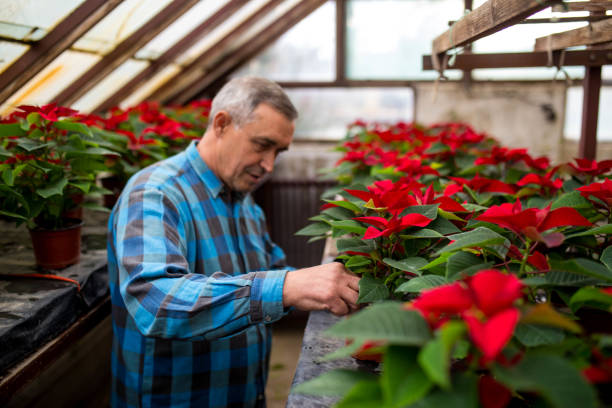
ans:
(48, 160)
(494, 258)
(146, 133)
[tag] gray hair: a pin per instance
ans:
(241, 96)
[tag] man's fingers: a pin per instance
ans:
(353, 282)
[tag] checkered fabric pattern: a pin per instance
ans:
(194, 281)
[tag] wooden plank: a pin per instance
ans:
(181, 81)
(340, 40)
(171, 54)
(123, 51)
(53, 44)
(591, 85)
(256, 45)
(584, 6)
(594, 33)
(487, 19)
(527, 59)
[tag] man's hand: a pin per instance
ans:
(324, 287)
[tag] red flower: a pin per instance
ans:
(533, 221)
(446, 203)
(599, 373)
(603, 191)
(544, 182)
(485, 185)
(539, 260)
(50, 112)
(492, 394)
(446, 299)
(393, 225)
(494, 291)
(394, 197)
(591, 167)
(169, 128)
(492, 335)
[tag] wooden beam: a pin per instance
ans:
(179, 82)
(60, 38)
(487, 19)
(340, 40)
(123, 51)
(171, 54)
(591, 85)
(527, 59)
(584, 6)
(259, 42)
(594, 33)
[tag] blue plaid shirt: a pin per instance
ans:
(194, 280)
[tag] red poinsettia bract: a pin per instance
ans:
(591, 167)
(484, 301)
(393, 225)
(533, 221)
(602, 191)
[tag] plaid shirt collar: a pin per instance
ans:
(211, 181)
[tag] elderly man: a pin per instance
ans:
(195, 279)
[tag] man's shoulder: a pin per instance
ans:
(163, 174)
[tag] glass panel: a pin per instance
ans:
(109, 85)
(386, 39)
(10, 52)
(51, 80)
(181, 27)
(304, 53)
(222, 30)
(573, 114)
(126, 18)
(324, 113)
(151, 85)
(18, 18)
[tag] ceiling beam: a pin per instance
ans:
(171, 54)
(527, 59)
(492, 16)
(123, 51)
(60, 38)
(181, 81)
(594, 33)
(602, 5)
(259, 42)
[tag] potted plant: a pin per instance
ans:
(49, 161)
(493, 262)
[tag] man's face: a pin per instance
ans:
(247, 153)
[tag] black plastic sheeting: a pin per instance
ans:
(34, 311)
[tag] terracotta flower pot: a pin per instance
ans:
(57, 249)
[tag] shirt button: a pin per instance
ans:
(260, 397)
(268, 318)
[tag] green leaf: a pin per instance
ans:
(461, 264)
(583, 266)
(606, 257)
(443, 226)
(593, 297)
(317, 228)
(345, 351)
(561, 278)
(434, 358)
(573, 199)
(95, 207)
(384, 321)
(403, 381)
(420, 283)
(474, 207)
(32, 145)
(11, 129)
(345, 204)
(338, 213)
(8, 176)
(438, 261)
(13, 215)
(53, 188)
(73, 127)
(349, 226)
(333, 383)
(355, 244)
(479, 237)
(430, 211)
(372, 289)
(365, 394)
(551, 376)
(357, 261)
(603, 229)
(463, 394)
(412, 264)
(532, 335)
(422, 233)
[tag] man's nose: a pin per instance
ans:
(267, 162)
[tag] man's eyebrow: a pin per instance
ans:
(270, 142)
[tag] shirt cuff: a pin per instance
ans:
(267, 296)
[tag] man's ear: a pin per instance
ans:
(221, 121)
